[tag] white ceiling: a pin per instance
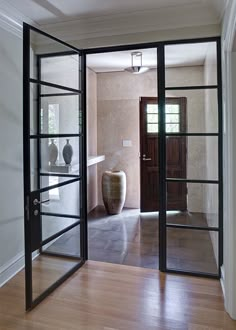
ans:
(176, 55)
(74, 20)
(55, 11)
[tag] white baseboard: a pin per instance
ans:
(15, 265)
(11, 268)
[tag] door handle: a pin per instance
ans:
(37, 202)
(145, 159)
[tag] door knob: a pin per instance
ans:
(36, 201)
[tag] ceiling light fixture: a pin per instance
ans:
(136, 64)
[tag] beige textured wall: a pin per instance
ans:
(118, 119)
(91, 137)
(211, 119)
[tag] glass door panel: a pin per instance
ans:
(194, 251)
(54, 164)
(191, 176)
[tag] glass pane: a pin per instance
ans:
(46, 270)
(60, 115)
(53, 161)
(192, 157)
(198, 109)
(152, 128)
(52, 225)
(172, 118)
(172, 128)
(63, 200)
(68, 243)
(152, 118)
(192, 250)
(191, 64)
(152, 108)
(60, 155)
(33, 108)
(193, 204)
(33, 165)
(172, 108)
(61, 70)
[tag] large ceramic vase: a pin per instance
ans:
(52, 153)
(114, 191)
(67, 152)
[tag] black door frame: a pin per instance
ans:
(30, 303)
(33, 233)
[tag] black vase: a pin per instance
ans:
(67, 152)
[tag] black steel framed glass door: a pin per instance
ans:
(54, 162)
(191, 242)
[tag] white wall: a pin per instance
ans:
(231, 222)
(229, 157)
(11, 160)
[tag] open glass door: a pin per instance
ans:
(54, 162)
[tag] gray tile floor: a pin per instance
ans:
(131, 238)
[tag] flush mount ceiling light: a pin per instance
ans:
(136, 64)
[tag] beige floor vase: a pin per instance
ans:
(114, 191)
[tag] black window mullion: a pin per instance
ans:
(48, 84)
(180, 88)
(191, 134)
(180, 226)
(58, 185)
(48, 136)
(60, 215)
(59, 175)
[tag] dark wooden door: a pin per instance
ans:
(176, 151)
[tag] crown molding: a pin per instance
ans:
(167, 18)
(12, 20)
(133, 22)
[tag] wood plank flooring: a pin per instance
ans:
(102, 296)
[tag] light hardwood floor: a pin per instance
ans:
(106, 296)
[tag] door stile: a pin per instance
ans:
(162, 155)
(26, 160)
(83, 149)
